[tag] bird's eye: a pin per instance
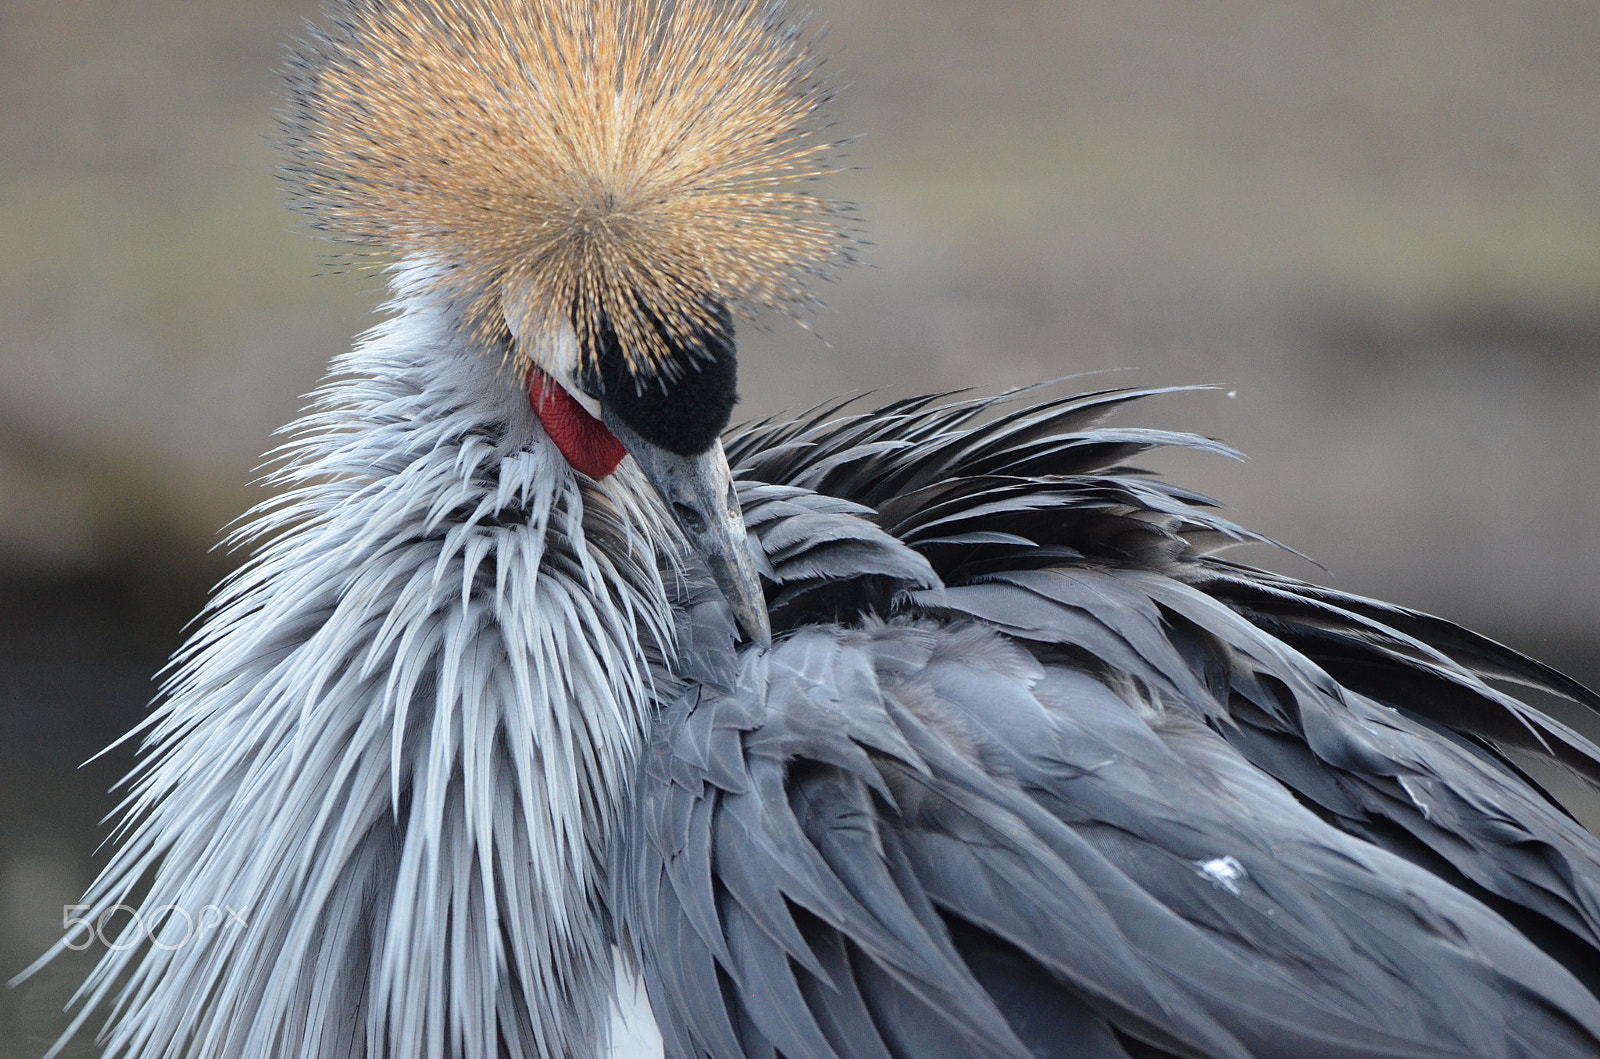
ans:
(682, 405)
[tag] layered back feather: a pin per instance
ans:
(1032, 770)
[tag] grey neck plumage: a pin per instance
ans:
(431, 680)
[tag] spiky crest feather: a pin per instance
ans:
(618, 164)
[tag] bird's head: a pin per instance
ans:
(596, 190)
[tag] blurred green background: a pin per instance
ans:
(1376, 226)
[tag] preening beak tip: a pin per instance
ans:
(759, 630)
(736, 576)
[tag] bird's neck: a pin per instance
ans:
(475, 623)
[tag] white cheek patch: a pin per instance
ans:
(588, 404)
(554, 349)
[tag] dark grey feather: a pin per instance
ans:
(1030, 771)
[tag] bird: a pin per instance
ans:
(550, 717)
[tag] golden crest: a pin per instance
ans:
(631, 166)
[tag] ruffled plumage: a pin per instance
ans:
(389, 759)
(1031, 770)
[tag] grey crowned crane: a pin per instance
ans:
(929, 730)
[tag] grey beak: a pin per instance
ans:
(699, 493)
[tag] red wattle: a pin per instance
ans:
(586, 443)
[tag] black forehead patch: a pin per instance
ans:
(685, 404)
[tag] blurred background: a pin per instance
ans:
(1375, 227)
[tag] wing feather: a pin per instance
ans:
(1031, 771)
(1049, 819)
